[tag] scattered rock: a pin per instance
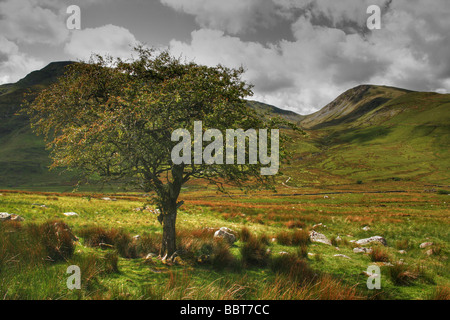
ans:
(109, 199)
(318, 237)
(16, 217)
(425, 244)
(378, 239)
(317, 225)
(149, 260)
(5, 216)
(136, 237)
(273, 239)
(282, 253)
(154, 211)
(342, 256)
(151, 255)
(337, 248)
(311, 254)
(429, 252)
(366, 228)
(39, 205)
(338, 239)
(227, 230)
(326, 197)
(70, 214)
(362, 250)
(226, 234)
(402, 251)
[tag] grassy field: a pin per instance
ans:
(272, 258)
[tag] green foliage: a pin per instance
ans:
(114, 119)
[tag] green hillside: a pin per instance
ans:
(377, 133)
(369, 133)
(24, 160)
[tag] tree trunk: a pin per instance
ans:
(169, 214)
(169, 245)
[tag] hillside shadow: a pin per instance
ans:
(354, 115)
(356, 136)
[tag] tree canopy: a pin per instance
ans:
(114, 119)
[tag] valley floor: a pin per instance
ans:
(273, 257)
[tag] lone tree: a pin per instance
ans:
(114, 120)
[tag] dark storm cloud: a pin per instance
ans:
(330, 49)
(299, 54)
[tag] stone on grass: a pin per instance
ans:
(70, 214)
(425, 244)
(318, 237)
(16, 217)
(378, 239)
(342, 256)
(151, 255)
(362, 250)
(226, 234)
(5, 216)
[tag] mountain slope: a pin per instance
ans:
(272, 111)
(368, 133)
(378, 133)
(352, 106)
(23, 157)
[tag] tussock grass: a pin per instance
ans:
(34, 244)
(215, 269)
(440, 293)
(402, 244)
(402, 275)
(255, 253)
(295, 238)
(379, 254)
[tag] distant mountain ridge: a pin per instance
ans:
(352, 105)
(377, 115)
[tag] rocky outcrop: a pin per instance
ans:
(373, 239)
(315, 236)
(226, 234)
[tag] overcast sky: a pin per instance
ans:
(299, 54)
